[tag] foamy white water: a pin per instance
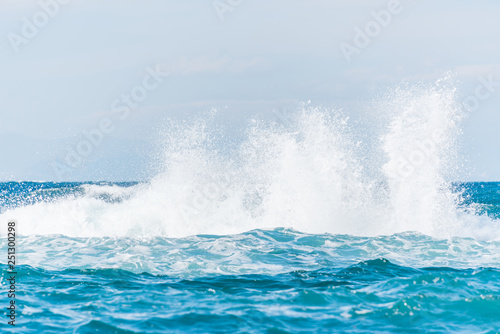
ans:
(307, 175)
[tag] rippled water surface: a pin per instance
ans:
(276, 280)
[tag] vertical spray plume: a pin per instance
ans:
(421, 147)
(308, 173)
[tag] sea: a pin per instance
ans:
(301, 227)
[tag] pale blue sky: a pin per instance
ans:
(263, 55)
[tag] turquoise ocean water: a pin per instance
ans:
(304, 225)
(274, 280)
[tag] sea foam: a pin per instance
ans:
(307, 173)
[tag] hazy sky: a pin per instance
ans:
(65, 65)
